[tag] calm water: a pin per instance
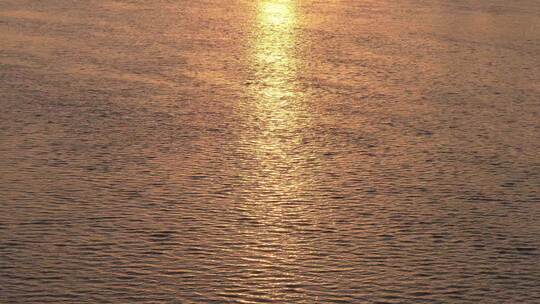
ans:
(270, 151)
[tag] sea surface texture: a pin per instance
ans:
(270, 151)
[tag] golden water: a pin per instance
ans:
(276, 151)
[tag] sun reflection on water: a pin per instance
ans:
(277, 116)
(277, 178)
(278, 99)
(278, 119)
(278, 102)
(277, 13)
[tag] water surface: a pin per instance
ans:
(269, 151)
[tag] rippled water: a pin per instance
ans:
(278, 151)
